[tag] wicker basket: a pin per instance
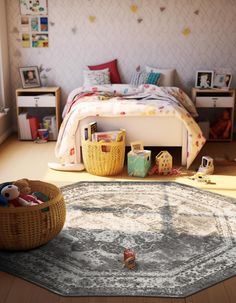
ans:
(103, 158)
(24, 228)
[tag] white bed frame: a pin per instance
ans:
(151, 130)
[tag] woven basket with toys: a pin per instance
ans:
(31, 214)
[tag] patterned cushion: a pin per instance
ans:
(112, 65)
(96, 77)
(139, 78)
(167, 75)
(153, 78)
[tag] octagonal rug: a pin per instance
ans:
(184, 240)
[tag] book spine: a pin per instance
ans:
(92, 128)
(34, 126)
(86, 133)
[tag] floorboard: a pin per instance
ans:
(5, 286)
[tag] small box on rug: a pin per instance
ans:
(139, 163)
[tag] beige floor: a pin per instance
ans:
(20, 159)
(27, 159)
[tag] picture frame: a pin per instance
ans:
(219, 80)
(222, 80)
(228, 80)
(30, 76)
(204, 79)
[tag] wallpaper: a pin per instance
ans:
(187, 35)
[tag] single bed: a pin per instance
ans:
(157, 116)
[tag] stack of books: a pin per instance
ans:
(28, 126)
(91, 134)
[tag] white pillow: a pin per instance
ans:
(96, 77)
(167, 75)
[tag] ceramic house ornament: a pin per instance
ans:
(164, 162)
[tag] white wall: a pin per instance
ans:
(157, 40)
(4, 74)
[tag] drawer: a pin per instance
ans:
(36, 101)
(214, 102)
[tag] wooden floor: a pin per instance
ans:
(27, 159)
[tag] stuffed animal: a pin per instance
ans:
(23, 186)
(3, 200)
(31, 199)
(25, 192)
(12, 194)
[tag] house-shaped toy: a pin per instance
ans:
(164, 162)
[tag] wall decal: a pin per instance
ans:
(186, 31)
(15, 30)
(17, 53)
(74, 30)
(34, 7)
(139, 20)
(92, 19)
(162, 8)
(134, 8)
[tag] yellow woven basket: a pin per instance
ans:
(103, 158)
(23, 228)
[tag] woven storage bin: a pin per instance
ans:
(103, 158)
(23, 228)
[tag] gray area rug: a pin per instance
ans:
(183, 237)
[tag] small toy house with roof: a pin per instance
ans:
(164, 162)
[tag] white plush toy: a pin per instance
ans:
(12, 194)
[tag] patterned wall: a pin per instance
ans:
(187, 35)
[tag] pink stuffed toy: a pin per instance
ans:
(31, 199)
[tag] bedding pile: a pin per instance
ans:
(126, 100)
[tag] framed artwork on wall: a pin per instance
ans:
(30, 76)
(33, 7)
(204, 79)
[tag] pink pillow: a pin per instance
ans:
(112, 65)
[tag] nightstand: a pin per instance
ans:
(40, 103)
(211, 105)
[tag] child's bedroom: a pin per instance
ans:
(117, 151)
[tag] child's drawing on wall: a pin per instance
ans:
(34, 7)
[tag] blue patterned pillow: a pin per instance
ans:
(153, 78)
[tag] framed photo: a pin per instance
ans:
(228, 79)
(30, 76)
(222, 80)
(219, 80)
(204, 79)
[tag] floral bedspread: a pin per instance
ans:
(124, 100)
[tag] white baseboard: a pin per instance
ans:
(5, 135)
